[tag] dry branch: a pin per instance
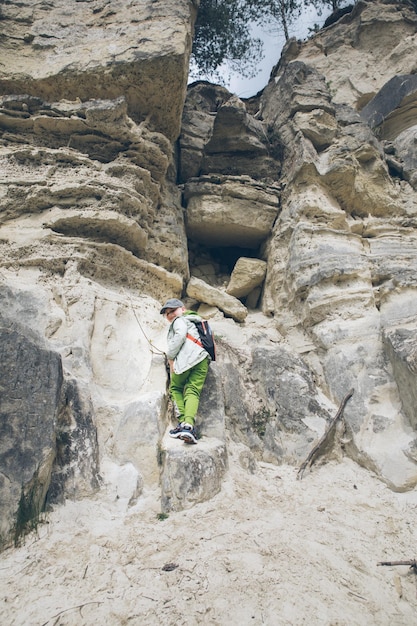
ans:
(412, 563)
(325, 438)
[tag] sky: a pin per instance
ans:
(273, 44)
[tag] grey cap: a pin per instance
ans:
(172, 303)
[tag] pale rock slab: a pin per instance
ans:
(94, 51)
(318, 126)
(358, 53)
(247, 274)
(203, 292)
(276, 409)
(191, 473)
(201, 105)
(230, 211)
(123, 483)
(402, 351)
(137, 435)
(392, 110)
(237, 132)
(105, 225)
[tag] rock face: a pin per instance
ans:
(31, 380)
(230, 211)
(289, 220)
(95, 50)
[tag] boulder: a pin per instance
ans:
(203, 292)
(276, 409)
(230, 211)
(318, 126)
(191, 474)
(247, 274)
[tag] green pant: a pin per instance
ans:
(186, 389)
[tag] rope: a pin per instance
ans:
(158, 351)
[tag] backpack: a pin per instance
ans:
(206, 338)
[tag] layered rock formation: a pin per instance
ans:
(290, 221)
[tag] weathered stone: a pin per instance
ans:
(230, 212)
(190, 476)
(124, 483)
(104, 225)
(359, 52)
(300, 88)
(99, 128)
(167, 241)
(58, 54)
(406, 149)
(276, 410)
(393, 254)
(318, 126)
(393, 108)
(31, 380)
(288, 403)
(252, 298)
(136, 444)
(402, 351)
(76, 472)
(202, 102)
(109, 264)
(207, 311)
(247, 274)
(236, 132)
(210, 420)
(203, 292)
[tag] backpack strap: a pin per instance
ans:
(197, 341)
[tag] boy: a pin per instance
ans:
(189, 364)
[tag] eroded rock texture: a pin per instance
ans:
(289, 220)
(91, 219)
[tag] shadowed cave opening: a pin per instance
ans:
(215, 265)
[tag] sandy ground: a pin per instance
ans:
(269, 549)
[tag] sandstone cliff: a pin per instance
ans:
(289, 220)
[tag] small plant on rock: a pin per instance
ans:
(260, 420)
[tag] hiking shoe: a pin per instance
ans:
(187, 434)
(176, 432)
